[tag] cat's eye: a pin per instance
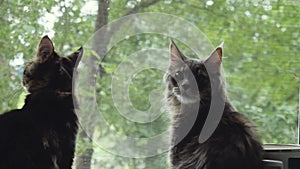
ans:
(178, 75)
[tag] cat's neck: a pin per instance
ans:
(49, 99)
(53, 93)
(50, 107)
(193, 118)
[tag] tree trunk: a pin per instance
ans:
(100, 43)
(84, 159)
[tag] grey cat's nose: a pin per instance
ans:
(184, 85)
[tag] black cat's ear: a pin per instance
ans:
(76, 56)
(45, 49)
(175, 54)
(215, 59)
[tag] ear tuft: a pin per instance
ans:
(45, 49)
(219, 52)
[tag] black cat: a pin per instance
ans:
(233, 145)
(42, 134)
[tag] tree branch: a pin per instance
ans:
(103, 37)
(205, 9)
(141, 6)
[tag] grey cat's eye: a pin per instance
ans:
(178, 75)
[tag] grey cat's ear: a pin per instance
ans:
(216, 56)
(215, 59)
(175, 54)
(45, 49)
(76, 56)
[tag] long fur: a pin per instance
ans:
(233, 145)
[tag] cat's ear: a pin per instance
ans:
(45, 49)
(216, 56)
(215, 59)
(175, 54)
(76, 56)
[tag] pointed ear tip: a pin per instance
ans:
(80, 50)
(171, 42)
(221, 45)
(46, 37)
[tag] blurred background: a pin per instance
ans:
(261, 63)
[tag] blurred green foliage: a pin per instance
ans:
(261, 61)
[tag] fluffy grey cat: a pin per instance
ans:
(233, 145)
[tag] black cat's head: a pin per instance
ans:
(48, 71)
(189, 80)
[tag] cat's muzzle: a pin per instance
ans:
(186, 96)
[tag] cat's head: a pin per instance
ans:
(189, 80)
(48, 71)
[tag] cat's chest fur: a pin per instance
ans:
(232, 140)
(54, 119)
(42, 133)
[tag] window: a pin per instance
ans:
(261, 65)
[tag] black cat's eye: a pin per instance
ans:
(178, 76)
